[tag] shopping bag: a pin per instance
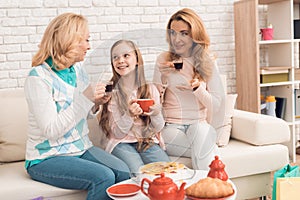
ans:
(285, 172)
(288, 188)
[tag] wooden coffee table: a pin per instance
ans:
(198, 175)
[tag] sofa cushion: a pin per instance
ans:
(242, 159)
(13, 125)
(259, 129)
(238, 158)
(225, 131)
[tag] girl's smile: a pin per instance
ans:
(124, 59)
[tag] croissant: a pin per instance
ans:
(210, 188)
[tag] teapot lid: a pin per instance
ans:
(217, 164)
(162, 180)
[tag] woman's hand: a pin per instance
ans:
(100, 96)
(194, 84)
(96, 93)
(165, 67)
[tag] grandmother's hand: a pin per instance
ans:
(96, 93)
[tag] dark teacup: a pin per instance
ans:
(109, 86)
(178, 65)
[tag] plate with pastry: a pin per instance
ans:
(210, 189)
(174, 170)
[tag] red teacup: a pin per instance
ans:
(145, 104)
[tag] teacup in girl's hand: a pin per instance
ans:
(145, 104)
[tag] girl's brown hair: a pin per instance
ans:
(120, 95)
(200, 52)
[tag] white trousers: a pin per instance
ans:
(197, 141)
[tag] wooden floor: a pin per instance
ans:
(297, 163)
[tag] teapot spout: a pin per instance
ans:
(181, 192)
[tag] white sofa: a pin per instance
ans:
(253, 152)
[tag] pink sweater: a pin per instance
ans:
(184, 106)
(124, 127)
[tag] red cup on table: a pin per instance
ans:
(145, 104)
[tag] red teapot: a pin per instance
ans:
(217, 170)
(163, 188)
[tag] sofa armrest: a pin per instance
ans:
(258, 129)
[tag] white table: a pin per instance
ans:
(198, 175)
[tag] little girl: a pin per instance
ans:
(134, 135)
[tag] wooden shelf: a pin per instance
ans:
(274, 41)
(252, 53)
(268, 1)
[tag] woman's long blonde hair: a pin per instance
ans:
(60, 40)
(121, 97)
(203, 61)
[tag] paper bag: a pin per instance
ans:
(288, 188)
(285, 172)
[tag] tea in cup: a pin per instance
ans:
(178, 64)
(145, 104)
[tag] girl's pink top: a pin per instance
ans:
(125, 127)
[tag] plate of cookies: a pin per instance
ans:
(210, 189)
(174, 170)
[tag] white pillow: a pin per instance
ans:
(224, 131)
(13, 125)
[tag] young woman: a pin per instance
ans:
(58, 150)
(193, 95)
(133, 134)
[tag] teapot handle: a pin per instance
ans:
(142, 186)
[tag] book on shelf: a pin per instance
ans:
(272, 78)
(274, 74)
(280, 107)
(274, 70)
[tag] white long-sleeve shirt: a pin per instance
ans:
(57, 114)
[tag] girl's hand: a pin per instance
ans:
(154, 110)
(134, 108)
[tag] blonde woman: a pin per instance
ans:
(133, 134)
(192, 97)
(58, 150)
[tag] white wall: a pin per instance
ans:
(23, 23)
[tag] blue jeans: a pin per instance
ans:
(94, 171)
(134, 159)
